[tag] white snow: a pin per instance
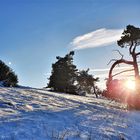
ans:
(37, 114)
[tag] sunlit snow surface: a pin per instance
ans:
(37, 114)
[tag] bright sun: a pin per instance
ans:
(130, 84)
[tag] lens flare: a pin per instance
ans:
(130, 84)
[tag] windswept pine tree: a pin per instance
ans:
(130, 39)
(65, 77)
(64, 74)
(87, 83)
(7, 76)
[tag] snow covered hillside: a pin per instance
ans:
(36, 114)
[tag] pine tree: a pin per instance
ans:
(87, 83)
(64, 74)
(7, 76)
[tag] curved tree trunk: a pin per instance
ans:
(136, 70)
(117, 62)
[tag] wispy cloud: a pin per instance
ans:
(107, 69)
(103, 73)
(97, 38)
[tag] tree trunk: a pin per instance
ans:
(117, 62)
(136, 71)
(135, 65)
(95, 92)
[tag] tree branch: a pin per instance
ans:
(111, 61)
(119, 53)
(137, 53)
(122, 72)
(130, 49)
(116, 63)
(134, 49)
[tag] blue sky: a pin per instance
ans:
(34, 32)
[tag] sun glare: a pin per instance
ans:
(130, 84)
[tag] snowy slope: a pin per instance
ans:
(36, 114)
